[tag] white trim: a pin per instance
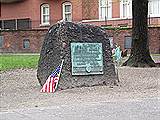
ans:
(64, 13)
(108, 7)
(128, 8)
(47, 14)
(43, 25)
(121, 9)
(152, 8)
(154, 15)
(100, 20)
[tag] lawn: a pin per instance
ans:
(13, 61)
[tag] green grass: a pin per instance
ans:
(12, 61)
(15, 61)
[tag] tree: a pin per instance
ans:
(140, 55)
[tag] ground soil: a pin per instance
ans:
(20, 89)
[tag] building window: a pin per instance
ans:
(126, 8)
(1, 41)
(15, 24)
(128, 42)
(105, 9)
(45, 14)
(111, 41)
(9, 24)
(23, 24)
(67, 11)
(26, 43)
(0, 24)
(154, 8)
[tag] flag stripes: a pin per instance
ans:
(50, 85)
(52, 82)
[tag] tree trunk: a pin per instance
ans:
(140, 55)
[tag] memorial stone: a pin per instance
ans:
(86, 52)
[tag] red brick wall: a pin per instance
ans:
(55, 11)
(119, 35)
(116, 9)
(16, 10)
(153, 36)
(152, 22)
(81, 10)
(31, 9)
(90, 9)
(36, 12)
(57, 7)
(13, 40)
(0, 9)
(25, 9)
(77, 10)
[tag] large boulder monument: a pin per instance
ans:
(86, 52)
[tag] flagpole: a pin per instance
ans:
(61, 66)
(59, 72)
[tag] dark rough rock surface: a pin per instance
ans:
(57, 46)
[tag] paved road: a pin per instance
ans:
(139, 109)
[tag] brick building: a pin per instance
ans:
(23, 23)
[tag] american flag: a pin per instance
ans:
(52, 82)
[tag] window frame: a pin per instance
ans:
(127, 42)
(128, 4)
(2, 38)
(151, 8)
(42, 7)
(24, 40)
(108, 9)
(111, 41)
(64, 12)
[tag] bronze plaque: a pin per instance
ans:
(87, 58)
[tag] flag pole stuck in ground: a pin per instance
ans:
(52, 82)
(59, 73)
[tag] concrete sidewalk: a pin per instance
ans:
(135, 109)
